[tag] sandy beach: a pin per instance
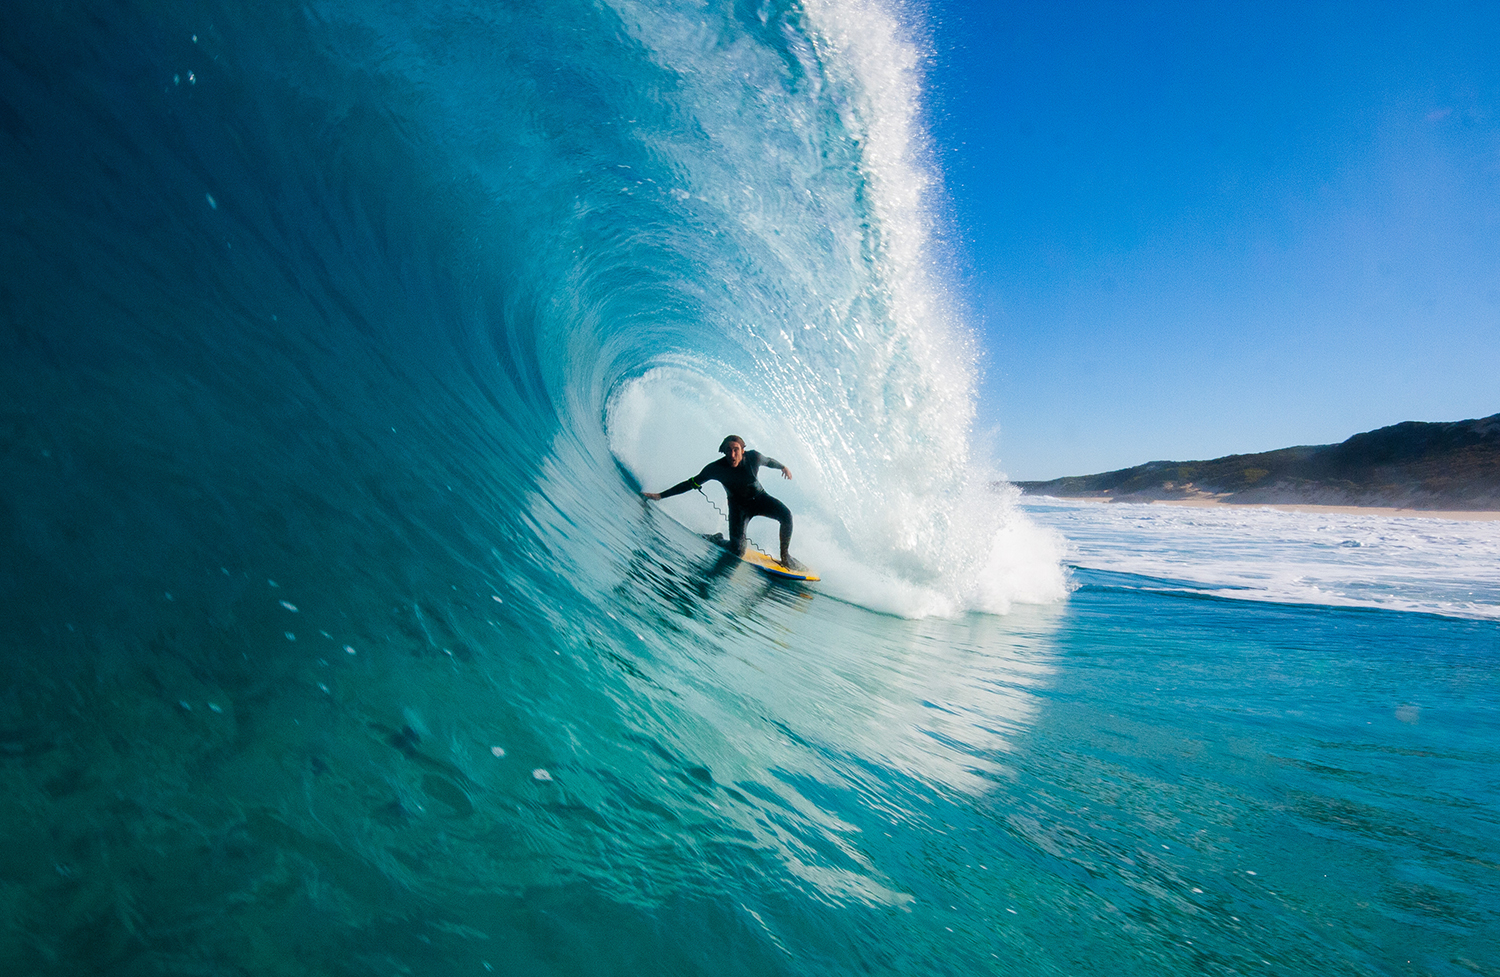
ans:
(1208, 502)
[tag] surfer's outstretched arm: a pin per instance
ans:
(773, 463)
(696, 482)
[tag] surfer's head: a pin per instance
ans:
(733, 448)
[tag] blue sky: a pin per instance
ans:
(1193, 229)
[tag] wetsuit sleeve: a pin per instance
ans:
(692, 483)
(770, 462)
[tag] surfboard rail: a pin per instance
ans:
(769, 566)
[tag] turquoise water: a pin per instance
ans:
(336, 342)
(744, 777)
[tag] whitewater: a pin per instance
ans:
(1415, 563)
(338, 341)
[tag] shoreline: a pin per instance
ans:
(1209, 502)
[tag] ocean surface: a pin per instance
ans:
(337, 341)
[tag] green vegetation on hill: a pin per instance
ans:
(1454, 465)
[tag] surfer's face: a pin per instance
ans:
(735, 453)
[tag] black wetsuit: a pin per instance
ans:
(746, 497)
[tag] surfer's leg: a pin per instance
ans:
(777, 510)
(737, 519)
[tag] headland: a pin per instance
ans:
(1444, 469)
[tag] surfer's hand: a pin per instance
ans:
(786, 472)
(653, 496)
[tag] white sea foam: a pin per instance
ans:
(1412, 563)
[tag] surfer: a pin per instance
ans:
(736, 472)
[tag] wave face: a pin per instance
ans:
(528, 239)
(336, 342)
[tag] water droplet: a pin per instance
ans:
(349, 649)
(290, 636)
(540, 774)
(499, 751)
(289, 606)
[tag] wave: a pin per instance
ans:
(464, 274)
(335, 343)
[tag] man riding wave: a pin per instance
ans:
(736, 471)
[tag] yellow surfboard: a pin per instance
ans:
(767, 565)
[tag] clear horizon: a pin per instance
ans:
(1191, 230)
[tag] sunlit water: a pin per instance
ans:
(723, 774)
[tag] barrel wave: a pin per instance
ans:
(338, 341)
(521, 236)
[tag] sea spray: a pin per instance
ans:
(848, 357)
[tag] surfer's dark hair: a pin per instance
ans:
(732, 439)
